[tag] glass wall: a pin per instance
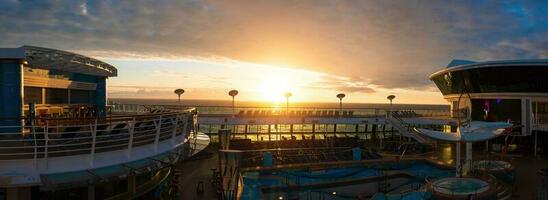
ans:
(33, 95)
(82, 97)
(56, 96)
(531, 79)
(260, 132)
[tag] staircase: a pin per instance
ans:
(404, 129)
(504, 191)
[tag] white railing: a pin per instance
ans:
(282, 111)
(68, 137)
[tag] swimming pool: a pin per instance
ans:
(460, 186)
(355, 181)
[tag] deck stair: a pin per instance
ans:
(405, 130)
(504, 191)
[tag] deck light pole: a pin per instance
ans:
(233, 94)
(390, 98)
(179, 92)
(287, 95)
(340, 96)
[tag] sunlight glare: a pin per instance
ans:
(272, 88)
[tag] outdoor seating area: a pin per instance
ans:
(405, 113)
(247, 144)
(295, 113)
(305, 155)
(54, 137)
(64, 111)
(406, 148)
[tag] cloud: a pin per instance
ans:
(390, 44)
(343, 84)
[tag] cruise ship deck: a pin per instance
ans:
(61, 139)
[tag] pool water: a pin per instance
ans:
(255, 181)
(460, 186)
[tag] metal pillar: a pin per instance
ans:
(131, 184)
(269, 132)
(468, 162)
(291, 130)
(458, 167)
(91, 192)
(334, 130)
(536, 131)
(536, 143)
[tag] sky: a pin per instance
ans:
(312, 48)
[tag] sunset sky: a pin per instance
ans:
(315, 49)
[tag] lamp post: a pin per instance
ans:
(390, 97)
(179, 92)
(340, 96)
(233, 94)
(287, 95)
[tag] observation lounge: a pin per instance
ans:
(507, 90)
(59, 139)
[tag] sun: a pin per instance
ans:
(272, 88)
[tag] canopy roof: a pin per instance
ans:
(477, 131)
(457, 65)
(46, 58)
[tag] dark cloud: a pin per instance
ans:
(392, 44)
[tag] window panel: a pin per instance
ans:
(79, 97)
(56, 96)
(33, 95)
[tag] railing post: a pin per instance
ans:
(158, 129)
(93, 128)
(185, 125)
(33, 132)
(174, 131)
(131, 133)
(46, 139)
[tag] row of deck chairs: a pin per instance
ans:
(306, 156)
(410, 148)
(158, 111)
(246, 144)
(295, 113)
(404, 113)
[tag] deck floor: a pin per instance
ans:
(195, 171)
(527, 182)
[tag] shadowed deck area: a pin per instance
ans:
(195, 170)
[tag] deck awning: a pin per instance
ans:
(477, 131)
(46, 58)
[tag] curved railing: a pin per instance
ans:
(56, 137)
(479, 192)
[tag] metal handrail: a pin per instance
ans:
(228, 110)
(45, 140)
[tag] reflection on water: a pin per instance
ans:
(445, 153)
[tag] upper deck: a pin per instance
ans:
(53, 145)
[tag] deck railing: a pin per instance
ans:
(57, 137)
(224, 111)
